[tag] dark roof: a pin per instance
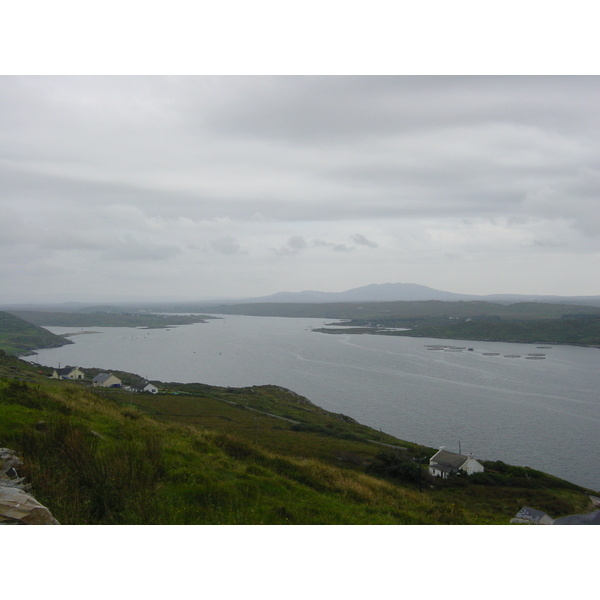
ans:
(447, 461)
(65, 370)
(592, 518)
(531, 513)
(139, 385)
(101, 377)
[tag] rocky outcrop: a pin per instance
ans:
(17, 506)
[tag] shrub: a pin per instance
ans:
(395, 466)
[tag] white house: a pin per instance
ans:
(143, 386)
(68, 373)
(106, 380)
(532, 516)
(444, 463)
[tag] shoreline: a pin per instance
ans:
(374, 331)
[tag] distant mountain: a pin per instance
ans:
(383, 292)
(391, 292)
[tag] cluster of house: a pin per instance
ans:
(444, 463)
(106, 380)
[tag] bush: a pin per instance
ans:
(395, 466)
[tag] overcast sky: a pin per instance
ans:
(208, 187)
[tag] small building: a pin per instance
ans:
(532, 516)
(143, 386)
(444, 463)
(68, 373)
(107, 380)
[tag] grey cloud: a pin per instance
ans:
(306, 109)
(293, 245)
(332, 246)
(361, 240)
(130, 249)
(297, 242)
(227, 245)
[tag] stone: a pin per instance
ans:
(9, 462)
(19, 508)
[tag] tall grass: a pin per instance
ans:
(88, 481)
(93, 460)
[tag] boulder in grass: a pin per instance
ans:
(17, 507)
(9, 463)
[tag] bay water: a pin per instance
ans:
(495, 400)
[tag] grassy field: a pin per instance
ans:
(195, 454)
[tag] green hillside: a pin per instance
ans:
(484, 321)
(581, 330)
(106, 319)
(197, 454)
(18, 336)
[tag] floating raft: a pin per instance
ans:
(491, 353)
(535, 357)
(512, 356)
(445, 347)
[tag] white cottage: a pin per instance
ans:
(107, 380)
(143, 386)
(444, 463)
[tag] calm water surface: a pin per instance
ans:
(543, 414)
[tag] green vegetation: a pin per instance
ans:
(536, 322)
(106, 319)
(485, 321)
(583, 331)
(17, 336)
(196, 454)
(371, 311)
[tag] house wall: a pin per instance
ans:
(472, 466)
(76, 374)
(112, 380)
(437, 472)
